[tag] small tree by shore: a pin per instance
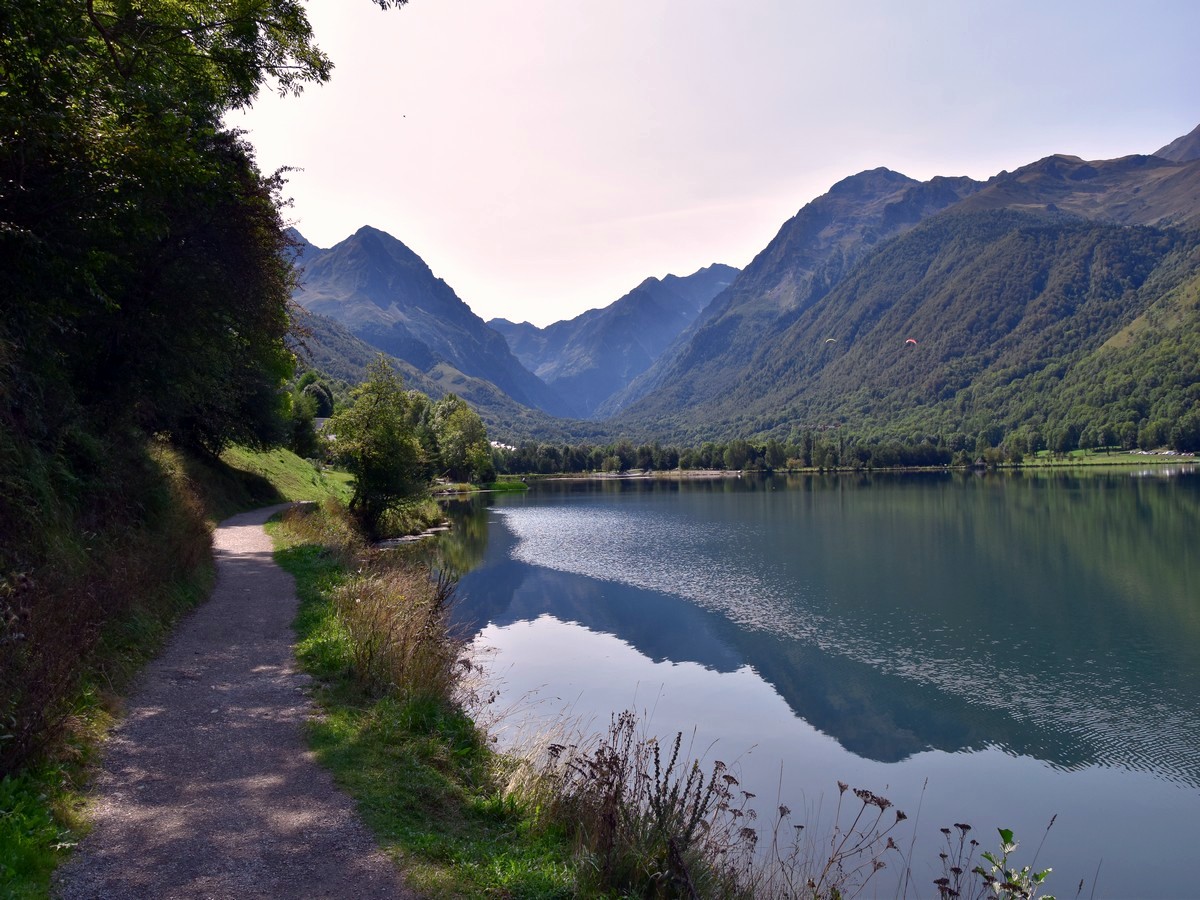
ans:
(375, 441)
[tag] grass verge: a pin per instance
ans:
(395, 732)
(509, 483)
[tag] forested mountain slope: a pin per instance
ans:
(326, 344)
(812, 253)
(386, 295)
(592, 356)
(987, 322)
(1004, 287)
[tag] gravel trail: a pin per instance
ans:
(207, 788)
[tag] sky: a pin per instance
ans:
(544, 157)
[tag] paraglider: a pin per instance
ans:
(912, 341)
(831, 340)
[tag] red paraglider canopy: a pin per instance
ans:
(911, 341)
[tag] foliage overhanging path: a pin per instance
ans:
(207, 788)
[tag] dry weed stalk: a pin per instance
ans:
(644, 819)
(396, 617)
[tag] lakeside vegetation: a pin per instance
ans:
(397, 728)
(825, 451)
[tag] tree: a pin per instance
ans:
(1185, 434)
(737, 454)
(374, 439)
(776, 454)
(142, 248)
(321, 395)
(1127, 435)
(465, 454)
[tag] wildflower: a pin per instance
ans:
(871, 799)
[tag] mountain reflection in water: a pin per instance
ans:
(925, 624)
(922, 613)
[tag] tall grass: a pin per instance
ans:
(394, 616)
(73, 596)
(395, 687)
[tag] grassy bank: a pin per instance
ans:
(596, 816)
(394, 729)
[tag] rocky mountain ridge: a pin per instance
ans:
(1030, 278)
(596, 354)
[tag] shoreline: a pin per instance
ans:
(1124, 460)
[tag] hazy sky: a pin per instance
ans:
(545, 156)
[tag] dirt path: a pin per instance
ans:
(207, 788)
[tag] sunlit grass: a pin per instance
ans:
(417, 765)
(1045, 458)
(294, 478)
(38, 823)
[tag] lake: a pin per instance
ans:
(996, 649)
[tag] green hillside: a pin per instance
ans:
(989, 322)
(329, 346)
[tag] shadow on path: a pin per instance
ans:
(207, 788)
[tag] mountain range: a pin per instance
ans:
(370, 293)
(595, 355)
(1061, 294)
(386, 295)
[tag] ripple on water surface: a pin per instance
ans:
(726, 567)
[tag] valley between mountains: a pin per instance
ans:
(1060, 297)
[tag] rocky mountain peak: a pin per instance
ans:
(1182, 149)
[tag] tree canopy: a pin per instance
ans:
(464, 453)
(375, 439)
(142, 247)
(144, 290)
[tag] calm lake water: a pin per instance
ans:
(990, 649)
